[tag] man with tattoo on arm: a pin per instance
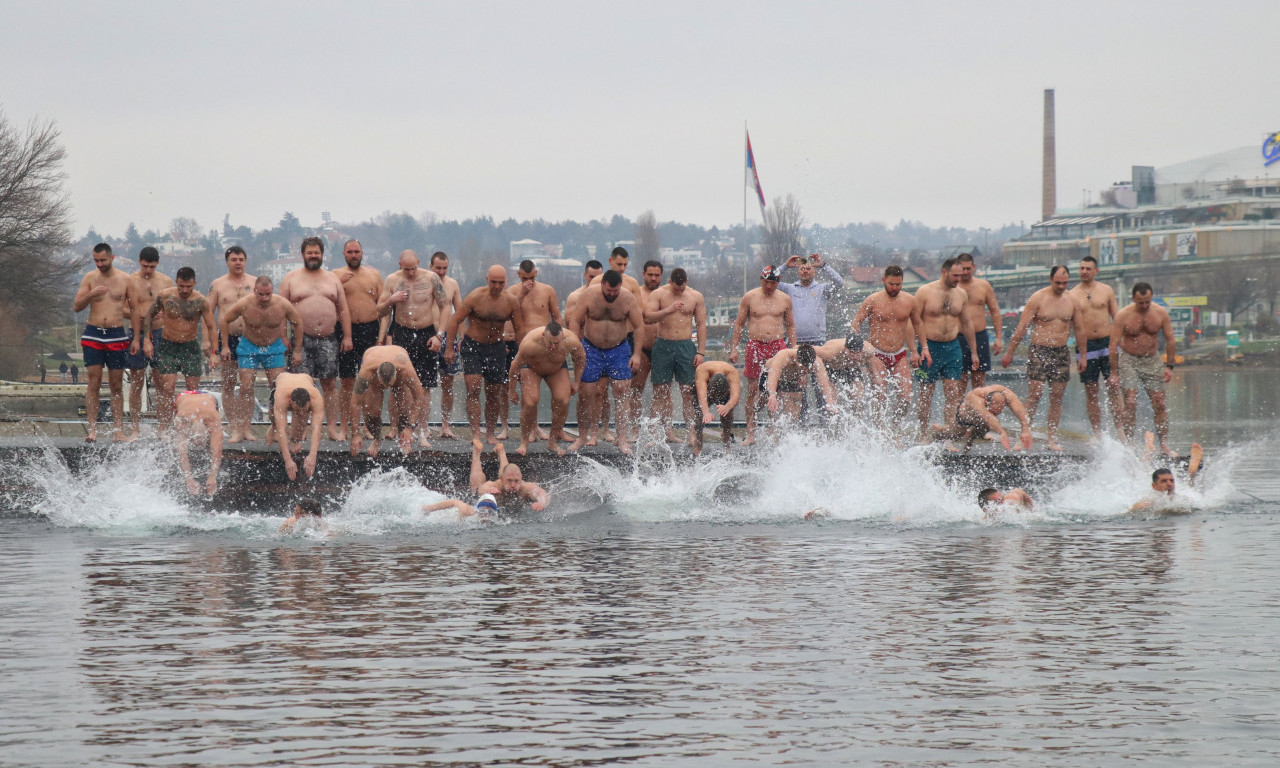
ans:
(184, 309)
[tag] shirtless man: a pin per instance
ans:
(223, 295)
(618, 261)
(848, 363)
(773, 329)
(453, 300)
(484, 356)
(1017, 500)
(510, 489)
(416, 300)
(592, 270)
(541, 357)
(652, 274)
(261, 344)
(298, 394)
(362, 286)
(105, 341)
(979, 414)
(604, 318)
(719, 388)
(1135, 331)
(197, 423)
(681, 313)
(788, 373)
(1052, 314)
(939, 318)
(184, 309)
(1163, 497)
(981, 300)
(321, 301)
(385, 369)
(892, 337)
(1098, 306)
(147, 283)
(539, 305)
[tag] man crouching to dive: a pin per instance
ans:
(387, 369)
(978, 414)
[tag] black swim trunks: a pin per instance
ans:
(984, 351)
(416, 341)
(487, 360)
(1097, 353)
(363, 337)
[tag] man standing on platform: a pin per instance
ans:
(773, 328)
(539, 305)
(681, 313)
(939, 318)
(892, 338)
(981, 300)
(652, 274)
(362, 286)
(1098, 306)
(1053, 315)
(148, 282)
(593, 270)
(486, 311)
(183, 309)
(223, 295)
(262, 316)
(416, 300)
(1135, 332)
(105, 341)
(453, 302)
(322, 303)
(604, 319)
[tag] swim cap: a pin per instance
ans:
(770, 273)
(488, 502)
(854, 341)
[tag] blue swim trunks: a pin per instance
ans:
(947, 361)
(251, 356)
(614, 363)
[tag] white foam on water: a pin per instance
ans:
(387, 501)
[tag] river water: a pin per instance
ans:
(650, 622)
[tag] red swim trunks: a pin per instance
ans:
(759, 353)
(890, 359)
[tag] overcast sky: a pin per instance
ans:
(863, 111)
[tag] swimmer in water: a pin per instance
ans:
(1015, 499)
(305, 515)
(486, 508)
(510, 487)
(1163, 497)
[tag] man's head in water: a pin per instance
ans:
(387, 373)
(718, 389)
(511, 479)
(307, 507)
(989, 497)
(487, 505)
(1162, 481)
(853, 343)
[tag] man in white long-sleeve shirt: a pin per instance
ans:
(809, 302)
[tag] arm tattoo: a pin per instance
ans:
(361, 385)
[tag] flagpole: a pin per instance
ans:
(746, 261)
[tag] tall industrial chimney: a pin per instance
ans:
(1049, 192)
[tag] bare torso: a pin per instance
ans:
(767, 315)
(145, 292)
(315, 294)
(1140, 330)
(606, 324)
(362, 287)
(225, 292)
(487, 314)
(1097, 304)
(263, 325)
(940, 308)
(889, 320)
(181, 316)
(1051, 323)
(538, 304)
(977, 293)
(677, 326)
(421, 309)
(106, 306)
(838, 358)
(543, 361)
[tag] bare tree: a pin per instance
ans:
(184, 230)
(647, 244)
(34, 231)
(782, 224)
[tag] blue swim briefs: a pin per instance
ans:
(251, 356)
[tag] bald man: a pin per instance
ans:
(484, 354)
(417, 302)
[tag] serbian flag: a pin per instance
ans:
(754, 176)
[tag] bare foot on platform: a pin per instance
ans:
(374, 445)
(119, 436)
(523, 449)
(577, 445)
(337, 434)
(624, 447)
(502, 434)
(406, 444)
(751, 439)
(447, 434)
(538, 434)
(950, 446)
(672, 437)
(609, 437)
(423, 442)
(554, 447)
(92, 437)
(1052, 445)
(236, 437)
(591, 441)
